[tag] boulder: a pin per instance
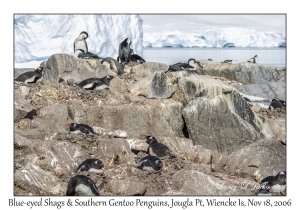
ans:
(258, 160)
(72, 69)
(245, 72)
(145, 69)
(157, 85)
(118, 85)
(21, 106)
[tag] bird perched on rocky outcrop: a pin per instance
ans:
(81, 128)
(274, 184)
(113, 65)
(276, 103)
(254, 59)
(124, 51)
(30, 76)
(83, 186)
(136, 58)
(150, 163)
(190, 65)
(80, 42)
(79, 53)
(159, 149)
(95, 83)
(91, 165)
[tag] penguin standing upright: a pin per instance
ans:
(150, 163)
(254, 59)
(80, 42)
(124, 51)
(190, 65)
(91, 165)
(30, 76)
(159, 149)
(83, 186)
(81, 128)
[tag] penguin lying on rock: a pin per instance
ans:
(30, 76)
(190, 65)
(79, 53)
(136, 58)
(83, 186)
(159, 149)
(150, 163)
(81, 128)
(276, 103)
(274, 184)
(91, 165)
(95, 83)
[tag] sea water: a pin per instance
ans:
(266, 56)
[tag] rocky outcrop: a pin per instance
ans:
(145, 69)
(22, 107)
(245, 72)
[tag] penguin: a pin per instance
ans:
(113, 65)
(150, 163)
(277, 184)
(276, 104)
(264, 190)
(30, 76)
(190, 65)
(283, 102)
(135, 57)
(124, 50)
(91, 165)
(210, 59)
(254, 59)
(83, 186)
(80, 42)
(159, 149)
(79, 53)
(81, 128)
(95, 83)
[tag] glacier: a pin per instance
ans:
(216, 37)
(37, 37)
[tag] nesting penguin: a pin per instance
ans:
(30, 76)
(113, 65)
(210, 59)
(276, 103)
(190, 65)
(159, 149)
(124, 50)
(136, 58)
(254, 59)
(80, 42)
(91, 165)
(276, 184)
(150, 163)
(227, 61)
(95, 83)
(264, 190)
(79, 53)
(83, 186)
(81, 128)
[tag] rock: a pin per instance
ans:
(192, 182)
(245, 72)
(118, 85)
(137, 145)
(118, 134)
(255, 107)
(267, 90)
(178, 146)
(21, 106)
(157, 85)
(73, 70)
(145, 69)
(258, 160)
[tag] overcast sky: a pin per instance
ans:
(191, 23)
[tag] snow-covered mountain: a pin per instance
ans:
(39, 36)
(216, 37)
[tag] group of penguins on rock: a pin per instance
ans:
(83, 186)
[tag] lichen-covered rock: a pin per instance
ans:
(145, 69)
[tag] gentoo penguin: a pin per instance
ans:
(210, 59)
(277, 184)
(91, 165)
(283, 102)
(159, 149)
(124, 50)
(190, 65)
(79, 53)
(81, 128)
(276, 104)
(113, 65)
(254, 59)
(135, 57)
(80, 42)
(30, 76)
(150, 163)
(83, 186)
(227, 61)
(95, 83)
(264, 190)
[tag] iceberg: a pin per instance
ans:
(37, 37)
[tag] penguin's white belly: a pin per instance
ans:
(150, 169)
(264, 194)
(102, 87)
(97, 171)
(90, 85)
(80, 45)
(277, 188)
(83, 190)
(76, 132)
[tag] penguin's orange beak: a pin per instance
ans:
(101, 164)
(161, 165)
(69, 125)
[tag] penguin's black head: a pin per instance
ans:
(191, 61)
(72, 125)
(99, 164)
(159, 163)
(281, 174)
(84, 32)
(151, 139)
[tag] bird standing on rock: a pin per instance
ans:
(159, 149)
(254, 59)
(80, 42)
